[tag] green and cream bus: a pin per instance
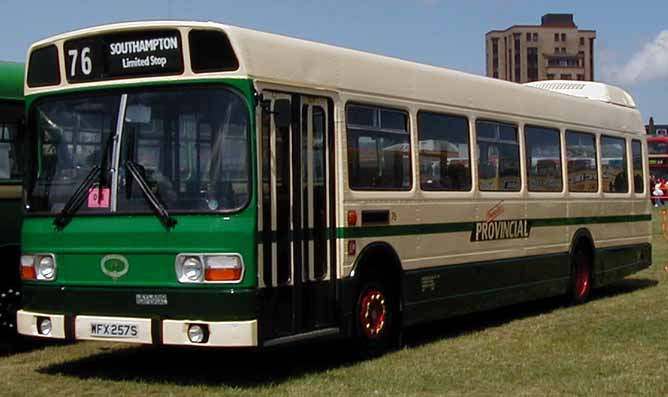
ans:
(12, 109)
(202, 184)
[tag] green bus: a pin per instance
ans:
(202, 184)
(12, 108)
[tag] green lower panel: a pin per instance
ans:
(182, 303)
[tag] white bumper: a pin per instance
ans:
(174, 332)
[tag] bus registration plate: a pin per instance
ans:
(114, 330)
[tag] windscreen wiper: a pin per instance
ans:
(76, 199)
(152, 199)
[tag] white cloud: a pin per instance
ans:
(648, 64)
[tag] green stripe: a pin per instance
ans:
(437, 228)
(455, 227)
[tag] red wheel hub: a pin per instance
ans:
(582, 278)
(373, 313)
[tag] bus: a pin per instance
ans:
(11, 190)
(200, 184)
(657, 149)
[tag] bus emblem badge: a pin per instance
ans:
(114, 266)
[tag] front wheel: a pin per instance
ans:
(375, 318)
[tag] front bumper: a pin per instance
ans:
(148, 331)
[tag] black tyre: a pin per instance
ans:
(581, 274)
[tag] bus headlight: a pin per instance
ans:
(190, 269)
(209, 268)
(46, 268)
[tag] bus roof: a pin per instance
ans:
(289, 61)
(11, 81)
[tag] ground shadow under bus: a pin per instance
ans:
(186, 366)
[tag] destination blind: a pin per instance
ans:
(134, 54)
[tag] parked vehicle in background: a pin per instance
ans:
(12, 108)
(657, 152)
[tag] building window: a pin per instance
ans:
(581, 77)
(563, 50)
(498, 157)
(563, 37)
(550, 76)
(379, 154)
(613, 165)
(556, 37)
(582, 41)
(528, 36)
(565, 76)
(543, 156)
(444, 152)
(535, 37)
(556, 50)
(638, 175)
(532, 63)
(581, 162)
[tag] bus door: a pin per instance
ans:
(296, 196)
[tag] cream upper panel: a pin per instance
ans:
(283, 60)
(182, 27)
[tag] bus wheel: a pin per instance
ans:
(375, 318)
(581, 279)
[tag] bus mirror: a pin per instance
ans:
(282, 113)
(138, 114)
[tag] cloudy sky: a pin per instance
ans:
(631, 48)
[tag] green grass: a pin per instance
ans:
(614, 345)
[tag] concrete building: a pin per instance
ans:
(554, 50)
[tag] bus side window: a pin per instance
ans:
(638, 174)
(379, 155)
(613, 165)
(444, 152)
(498, 157)
(581, 162)
(543, 156)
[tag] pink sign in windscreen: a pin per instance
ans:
(98, 198)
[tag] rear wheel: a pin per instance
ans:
(581, 275)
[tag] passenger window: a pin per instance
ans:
(379, 152)
(638, 175)
(444, 152)
(498, 157)
(581, 162)
(613, 165)
(543, 154)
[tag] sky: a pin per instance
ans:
(631, 46)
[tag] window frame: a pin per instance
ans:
(626, 168)
(519, 155)
(378, 129)
(642, 168)
(527, 159)
(596, 162)
(468, 141)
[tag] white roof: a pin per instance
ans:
(588, 89)
(288, 61)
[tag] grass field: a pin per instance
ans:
(614, 345)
